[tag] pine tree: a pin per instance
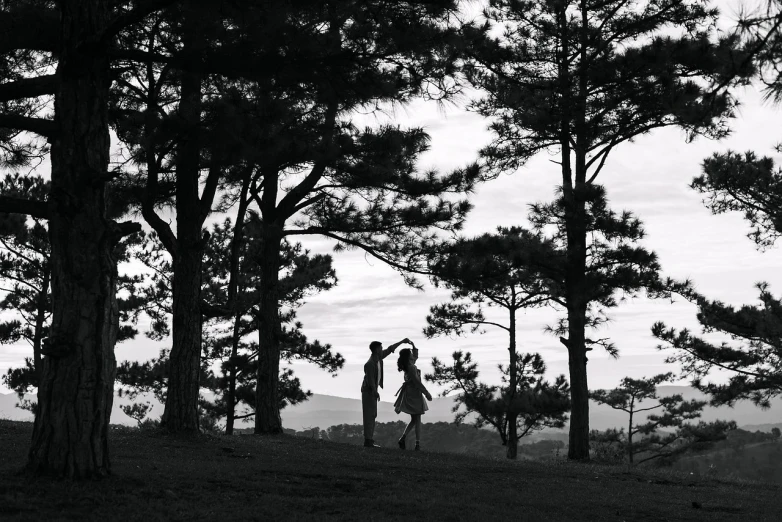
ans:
(750, 184)
(228, 363)
(356, 185)
(25, 272)
(483, 271)
(656, 442)
(581, 78)
(752, 361)
(70, 433)
(515, 412)
(263, 119)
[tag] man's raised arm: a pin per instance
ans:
(388, 351)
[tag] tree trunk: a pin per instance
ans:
(578, 444)
(231, 399)
(630, 435)
(70, 435)
(181, 411)
(513, 438)
(576, 300)
(267, 401)
(576, 285)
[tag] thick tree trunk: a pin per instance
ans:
(181, 411)
(267, 401)
(70, 436)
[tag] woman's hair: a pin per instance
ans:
(404, 359)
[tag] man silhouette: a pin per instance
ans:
(373, 379)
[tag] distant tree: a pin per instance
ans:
(137, 411)
(776, 432)
(655, 441)
(481, 272)
(25, 275)
(533, 405)
(581, 78)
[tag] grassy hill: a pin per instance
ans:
(159, 477)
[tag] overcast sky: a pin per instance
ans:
(649, 177)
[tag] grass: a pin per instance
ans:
(161, 477)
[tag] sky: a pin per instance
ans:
(649, 177)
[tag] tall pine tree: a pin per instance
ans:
(283, 113)
(581, 77)
(321, 173)
(70, 437)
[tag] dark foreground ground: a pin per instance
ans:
(159, 477)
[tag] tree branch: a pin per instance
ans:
(210, 189)
(28, 87)
(45, 128)
(288, 204)
(12, 205)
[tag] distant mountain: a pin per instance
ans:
(326, 410)
(762, 427)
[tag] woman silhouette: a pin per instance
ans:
(410, 397)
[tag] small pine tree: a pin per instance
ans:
(484, 272)
(656, 442)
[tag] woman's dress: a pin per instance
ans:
(410, 397)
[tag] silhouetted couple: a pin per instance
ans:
(410, 397)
